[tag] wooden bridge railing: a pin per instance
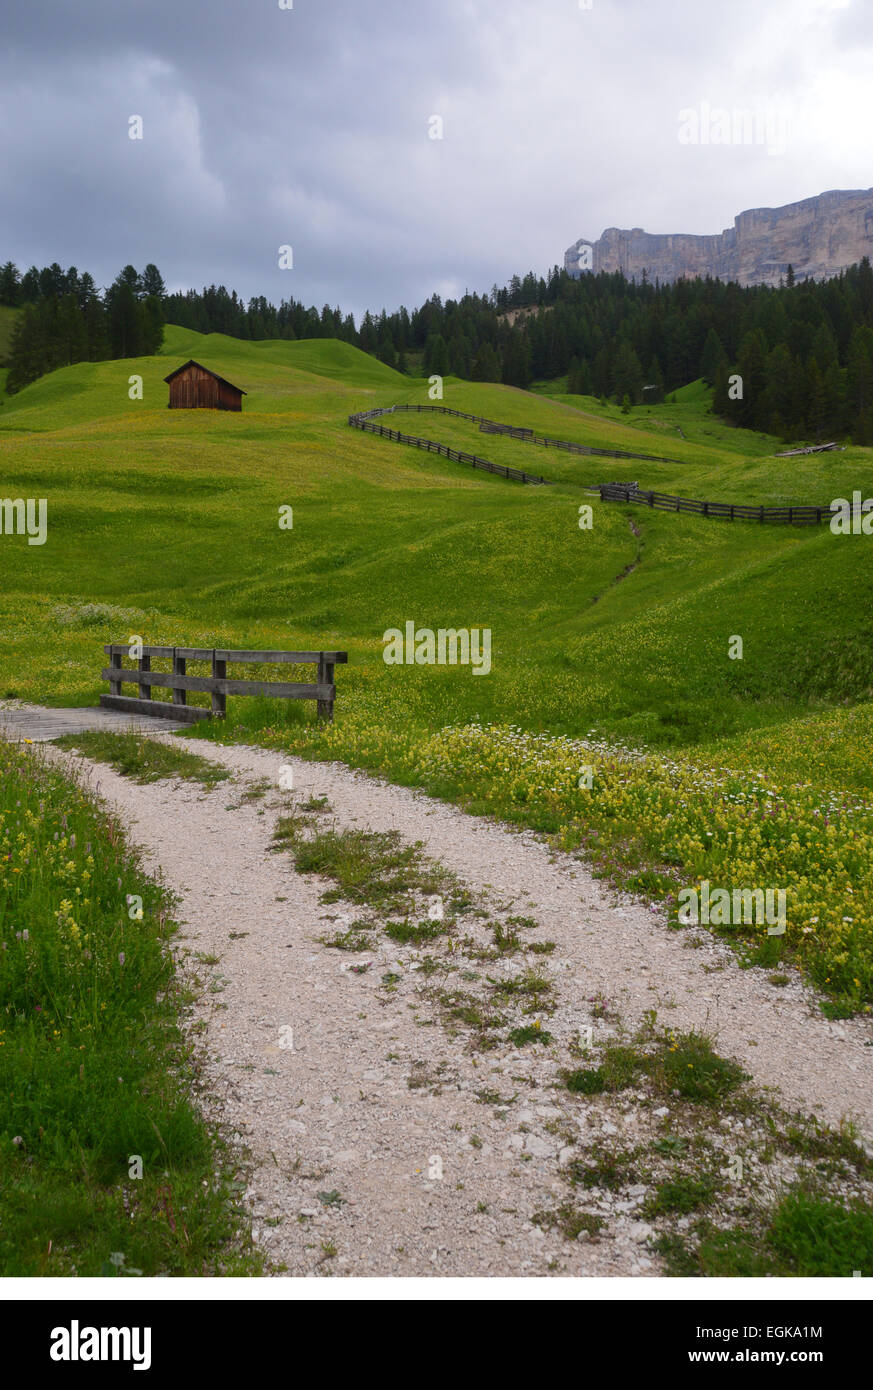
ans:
(217, 684)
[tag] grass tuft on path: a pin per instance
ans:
(143, 759)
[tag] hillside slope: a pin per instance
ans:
(173, 516)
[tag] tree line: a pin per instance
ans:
(65, 318)
(792, 360)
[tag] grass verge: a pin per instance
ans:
(143, 759)
(106, 1165)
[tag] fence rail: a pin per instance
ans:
(733, 511)
(218, 685)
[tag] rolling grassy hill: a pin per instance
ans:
(176, 514)
(165, 524)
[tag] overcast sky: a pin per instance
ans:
(311, 127)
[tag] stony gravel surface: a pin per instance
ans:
(373, 1151)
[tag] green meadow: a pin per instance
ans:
(614, 638)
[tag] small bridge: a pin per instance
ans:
(216, 684)
(21, 723)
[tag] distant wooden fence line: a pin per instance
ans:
(217, 684)
(609, 492)
(732, 511)
(363, 421)
(516, 432)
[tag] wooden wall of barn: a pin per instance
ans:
(196, 389)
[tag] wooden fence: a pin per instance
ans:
(217, 684)
(363, 421)
(609, 492)
(732, 511)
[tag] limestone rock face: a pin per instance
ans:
(819, 237)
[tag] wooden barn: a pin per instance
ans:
(194, 387)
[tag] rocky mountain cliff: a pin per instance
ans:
(819, 237)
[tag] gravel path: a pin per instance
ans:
(374, 1106)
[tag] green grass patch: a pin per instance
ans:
(680, 1062)
(687, 1063)
(805, 1236)
(618, 1070)
(144, 759)
(95, 1075)
(603, 1167)
(414, 933)
(682, 1194)
(569, 1220)
(529, 1033)
(355, 938)
(375, 868)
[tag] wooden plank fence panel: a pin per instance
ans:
(222, 685)
(121, 649)
(217, 685)
(791, 515)
(162, 709)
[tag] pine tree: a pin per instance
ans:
(627, 379)
(436, 356)
(487, 365)
(125, 324)
(10, 284)
(153, 282)
(816, 401)
(713, 355)
(387, 353)
(516, 361)
(70, 336)
(28, 350)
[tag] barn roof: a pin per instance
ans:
(192, 363)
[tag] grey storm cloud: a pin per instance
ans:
(309, 126)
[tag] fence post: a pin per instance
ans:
(762, 512)
(325, 677)
(180, 666)
(219, 672)
(145, 691)
(115, 663)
